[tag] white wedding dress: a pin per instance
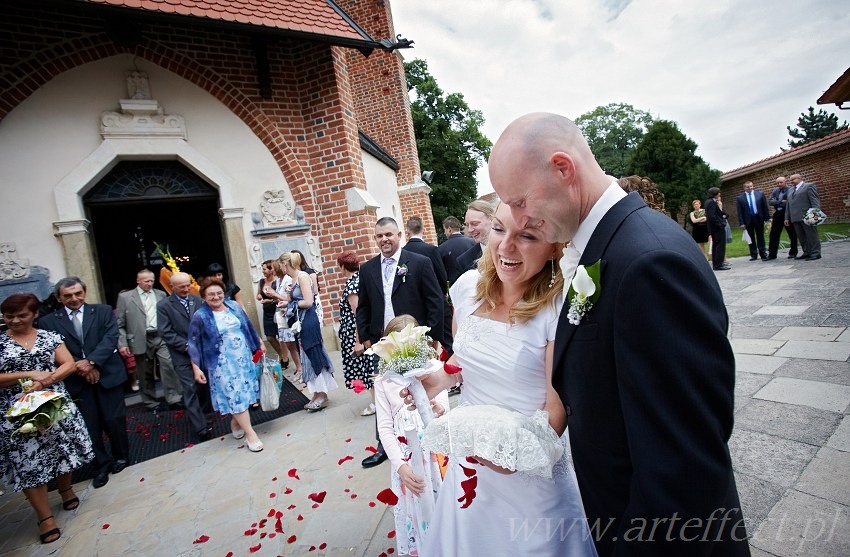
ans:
(511, 514)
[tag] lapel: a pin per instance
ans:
(88, 320)
(63, 323)
(134, 296)
(599, 240)
(397, 280)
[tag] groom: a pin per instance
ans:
(647, 375)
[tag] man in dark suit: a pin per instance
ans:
(479, 219)
(752, 214)
(397, 282)
(137, 335)
(802, 197)
(174, 314)
(417, 244)
(779, 201)
(453, 246)
(91, 335)
(716, 221)
(648, 427)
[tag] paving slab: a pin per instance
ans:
(747, 384)
(824, 334)
(758, 497)
(827, 476)
(765, 347)
(743, 331)
(782, 310)
(771, 284)
(797, 423)
(816, 370)
(753, 363)
(840, 439)
(815, 350)
(768, 457)
(816, 394)
(804, 525)
(844, 337)
(757, 299)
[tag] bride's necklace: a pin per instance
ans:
(26, 341)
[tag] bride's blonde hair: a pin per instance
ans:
(537, 296)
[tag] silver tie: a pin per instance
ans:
(78, 324)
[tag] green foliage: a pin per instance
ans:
(613, 132)
(813, 125)
(449, 140)
(668, 157)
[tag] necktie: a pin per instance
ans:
(185, 302)
(568, 264)
(388, 269)
(753, 203)
(77, 323)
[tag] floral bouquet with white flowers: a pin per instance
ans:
(814, 217)
(404, 356)
(37, 411)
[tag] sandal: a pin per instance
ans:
(55, 532)
(316, 405)
(70, 504)
(284, 364)
(369, 410)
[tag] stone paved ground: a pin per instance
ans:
(790, 329)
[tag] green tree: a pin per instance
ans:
(668, 157)
(449, 140)
(813, 125)
(613, 132)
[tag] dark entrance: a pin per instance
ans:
(140, 203)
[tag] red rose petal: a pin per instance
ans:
(468, 472)
(387, 497)
(349, 477)
(450, 369)
(354, 496)
(105, 526)
(256, 548)
(141, 479)
(278, 526)
(288, 491)
(358, 386)
(312, 548)
(372, 449)
(347, 490)
(472, 460)
(348, 440)
(272, 535)
(262, 535)
(274, 479)
(291, 539)
(324, 545)
(390, 550)
(318, 497)
(391, 534)
(271, 513)
(344, 459)
(300, 517)
(402, 439)
(278, 514)
(251, 531)
(371, 503)
(263, 523)
(290, 507)
(272, 495)
(383, 554)
(315, 505)
(229, 554)
(293, 473)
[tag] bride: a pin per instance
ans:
(506, 314)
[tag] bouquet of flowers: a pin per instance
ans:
(405, 356)
(37, 411)
(814, 217)
(170, 268)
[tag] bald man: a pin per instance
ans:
(648, 422)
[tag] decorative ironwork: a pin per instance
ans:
(146, 180)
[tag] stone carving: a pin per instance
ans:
(140, 115)
(314, 254)
(256, 258)
(276, 208)
(10, 266)
(138, 86)
(650, 193)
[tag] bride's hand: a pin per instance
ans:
(410, 480)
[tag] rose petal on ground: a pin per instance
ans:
(291, 539)
(271, 513)
(312, 548)
(290, 507)
(371, 503)
(256, 548)
(344, 459)
(318, 497)
(274, 479)
(262, 535)
(391, 534)
(372, 449)
(141, 479)
(300, 517)
(387, 497)
(348, 440)
(315, 505)
(287, 491)
(390, 550)
(105, 526)
(229, 554)
(354, 496)
(293, 473)
(272, 495)
(278, 526)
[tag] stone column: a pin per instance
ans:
(237, 256)
(79, 254)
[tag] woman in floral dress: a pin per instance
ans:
(354, 367)
(29, 461)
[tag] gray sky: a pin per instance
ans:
(731, 73)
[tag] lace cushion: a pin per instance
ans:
(504, 437)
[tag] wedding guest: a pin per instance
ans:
(453, 247)
(284, 334)
(506, 316)
(266, 290)
(231, 290)
(716, 221)
(29, 461)
(803, 196)
(649, 429)
(394, 423)
(90, 332)
(222, 342)
(479, 215)
(699, 226)
(355, 365)
(317, 369)
(779, 201)
(752, 214)
(314, 278)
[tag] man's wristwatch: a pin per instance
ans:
(92, 364)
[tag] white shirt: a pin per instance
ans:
(149, 304)
(69, 311)
(612, 195)
(389, 313)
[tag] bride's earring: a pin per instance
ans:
(552, 280)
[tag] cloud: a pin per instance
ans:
(732, 73)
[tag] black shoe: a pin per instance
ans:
(804, 256)
(764, 258)
(284, 365)
(813, 257)
(753, 258)
(100, 479)
(770, 258)
(722, 268)
(374, 460)
(205, 434)
(119, 465)
(792, 256)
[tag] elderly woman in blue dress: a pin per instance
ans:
(222, 342)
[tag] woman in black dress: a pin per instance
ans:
(266, 291)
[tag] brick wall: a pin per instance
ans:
(828, 169)
(320, 96)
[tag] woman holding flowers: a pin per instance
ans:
(506, 314)
(31, 456)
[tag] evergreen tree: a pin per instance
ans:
(813, 125)
(613, 132)
(449, 140)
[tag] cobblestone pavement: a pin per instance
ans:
(790, 330)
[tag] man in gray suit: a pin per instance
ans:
(137, 328)
(803, 196)
(174, 314)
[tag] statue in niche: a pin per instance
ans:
(10, 266)
(138, 86)
(277, 208)
(314, 253)
(256, 262)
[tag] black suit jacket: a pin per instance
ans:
(468, 260)
(647, 379)
(173, 323)
(716, 217)
(745, 214)
(432, 252)
(417, 293)
(452, 248)
(100, 344)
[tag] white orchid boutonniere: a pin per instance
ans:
(584, 291)
(401, 271)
